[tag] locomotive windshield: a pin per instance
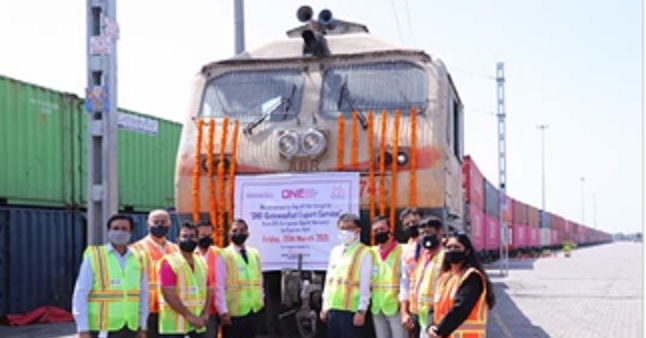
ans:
(249, 95)
(376, 86)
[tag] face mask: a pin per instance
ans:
(430, 241)
(119, 237)
(382, 237)
(347, 236)
(187, 245)
(455, 257)
(205, 242)
(412, 231)
(238, 239)
(159, 230)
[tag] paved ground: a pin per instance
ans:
(598, 292)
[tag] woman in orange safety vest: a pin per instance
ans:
(464, 295)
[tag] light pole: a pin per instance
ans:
(542, 128)
(583, 200)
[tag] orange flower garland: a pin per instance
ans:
(211, 174)
(371, 169)
(382, 164)
(196, 172)
(393, 176)
(221, 186)
(413, 157)
(339, 144)
(354, 151)
(232, 170)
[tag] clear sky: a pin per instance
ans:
(575, 65)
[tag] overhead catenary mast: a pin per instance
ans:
(502, 168)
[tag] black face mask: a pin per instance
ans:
(413, 231)
(382, 237)
(187, 245)
(430, 241)
(205, 242)
(455, 257)
(159, 230)
(238, 239)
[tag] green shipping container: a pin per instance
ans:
(43, 147)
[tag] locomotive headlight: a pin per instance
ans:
(402, 158)
(288, 143)
(313, 142)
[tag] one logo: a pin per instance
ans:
(298, 193)
(338, 192)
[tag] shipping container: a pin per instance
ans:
(534, 237)
(533, 216)
(41, 253)
(558, 223)
(520, 236)
(492, 233)
(546, 237)
(567, 230)
(491, 206)
(472, 183)
(46, 147)
(477, 219)
(556, 239)
(545, 219)
(520, 213)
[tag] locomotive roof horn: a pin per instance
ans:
(314, 42)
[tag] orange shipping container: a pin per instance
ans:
(533, 217)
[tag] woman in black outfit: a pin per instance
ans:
(464, 293)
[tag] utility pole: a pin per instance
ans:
(583, 200)
(101, 104)
(502, 168)
(542, 128)
(238, 13)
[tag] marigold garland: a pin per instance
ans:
(196, 172)
(221, 186)
(371, 169)
(413, 157)
(339, 143)
(354, 151)
(382, 164)
(211, 174)
(232, 170)
(393, 176)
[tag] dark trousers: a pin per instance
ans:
(340, 325)
(416, 327)
(191, 334)
(241, 327)
(153, 325)
(123, 333)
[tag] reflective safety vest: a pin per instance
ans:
(408, 255)
(113, 301)
(385, 284)
(154, 255)
(244, 282)
(426, 280)
(343, 276)
(475, 326)
(191, 290)
(209, 258)
(424, 266)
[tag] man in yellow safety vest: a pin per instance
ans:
(386, 284)
(217, 275)
(244, 291)
(111, 294)
(346, 294)
(185, 295)
(155, 246)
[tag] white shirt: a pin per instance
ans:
(220, 271)
(365, 273)
(84, 284)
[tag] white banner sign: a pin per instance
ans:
(295, 214)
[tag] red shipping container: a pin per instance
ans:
(519, 213)
(567, 231)
(520, 236)
(477, 227)
(472, 183)
(493, 233)
(534, 238)
(533, 216)
(555, 240)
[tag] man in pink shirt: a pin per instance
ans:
(212, 256)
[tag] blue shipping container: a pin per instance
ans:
(545, 219)
(492, 207)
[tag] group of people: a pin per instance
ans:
(157, 288)
(432, 286)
